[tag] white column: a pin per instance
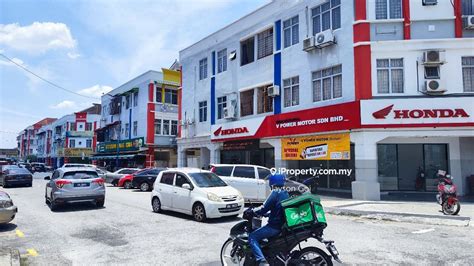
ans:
(366, 186)
(181, 157)
(215, 156)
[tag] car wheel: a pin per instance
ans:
(114, 183)
(5, 185)
(127, 185)
(100, 203)
(53, 205)
(199, 213)
(156, 204)
(144, 187)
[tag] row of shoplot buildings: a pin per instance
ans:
(383, 87)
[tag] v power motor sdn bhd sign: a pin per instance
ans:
(320, 147)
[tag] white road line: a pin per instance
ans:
(423, 231)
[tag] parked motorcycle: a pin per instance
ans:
(447, 196)
(283, 249)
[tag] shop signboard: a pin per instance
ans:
(318, 147)
(446, 111)
(241, 145)
(124, 145)
(77, 152)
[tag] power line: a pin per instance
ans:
(45, 80)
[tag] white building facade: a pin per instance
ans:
(396, 76)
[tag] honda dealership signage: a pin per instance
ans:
(330, 118)
(415, 111)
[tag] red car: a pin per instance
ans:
(126, 180)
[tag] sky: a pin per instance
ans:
(91, 47)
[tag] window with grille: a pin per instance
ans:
(166, 127)
(159, 95)
(390, 75)
(327, 83)
(203, 68)
(246, 102)
(291, 91)
(388, 9)
(247, 51)
(127, 101)
(467, 8)
(291, 31)
(264, 102)
(222, 60)
(135, 128)
(221, 105)
(265, 43)
(157, 126)
(174, 127)
(468, 73)
(135, 98)
(326, 16)
(203, 111)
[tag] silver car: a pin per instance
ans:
(113, 178)
(75, 184)
(7, 209)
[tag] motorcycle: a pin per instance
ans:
(447, 196)
(283, 249)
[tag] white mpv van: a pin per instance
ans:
(196, 192)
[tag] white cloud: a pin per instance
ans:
(95, 91)
(66, 104)
(4, 62)
(73, 55)
(36, 38)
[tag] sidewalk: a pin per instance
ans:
(9, 257)
(400, 211)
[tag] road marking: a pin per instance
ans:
(423, 231)
(32, 252)
(19, 233)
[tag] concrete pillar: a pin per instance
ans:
(366, 186)
(215, 156)
(182, 157)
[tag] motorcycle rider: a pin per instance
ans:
(275, 220)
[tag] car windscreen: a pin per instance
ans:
(17, 171)
(80, 175)
(207, 180)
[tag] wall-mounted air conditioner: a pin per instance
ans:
(470, 22)
(229, 112)
(308, 44)
(430, 2)
(433, 86)
(273, 91)
(434, 57)
(324, 38)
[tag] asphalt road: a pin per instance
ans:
(126, 231)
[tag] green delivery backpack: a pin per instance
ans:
(303, 210)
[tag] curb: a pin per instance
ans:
(10, 257)
(402, 217)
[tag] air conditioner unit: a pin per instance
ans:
(470, 22)
(433, 86)
(308, 44)
(433, 57)
(229, 112)
(273, 91)
(430, 2)
(324, 39)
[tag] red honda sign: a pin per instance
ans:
(419, 113)
(230, 131)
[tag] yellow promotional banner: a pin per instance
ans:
(320, 147)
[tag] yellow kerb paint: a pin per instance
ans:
(19, 233)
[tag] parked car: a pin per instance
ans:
(125, 181)
(7, 209)
(69, 165)
(113, 178)
(26, 166)
(38, 167)
(145, 179)
(12, 175)
(196, 192)
(251, 180)
(101, 172)
(74, 184)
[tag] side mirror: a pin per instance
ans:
(47, 178)
(186, 186)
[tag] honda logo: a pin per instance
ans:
(231, 131)
(419, 113)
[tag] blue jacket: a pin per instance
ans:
(273, 204)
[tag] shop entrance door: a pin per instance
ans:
(410, 157)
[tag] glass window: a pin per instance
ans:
(291, 90)
(388, 9)
(166, 127)
(157, 126)
(167, 178)
(263, 173)
(264, 102)
(203, 68)
(221, 104)
(135, 98)
(174, 127)
(80, 175)
(326, 16)
(390, 75)
(159, 95)
(223, 170)
(127, 128)
(203, 111)
(135, 128)
(222, 60)
(127, 101)
(327, 83)
(291, 31)
(72, 143)
(387, 166)
(244, 171)
(265, 43)
(468, 73)
(181, 180)
(247, 51)
(246, 102)
(432, 72)
(88, 143)
(171, 96)
(89, 126)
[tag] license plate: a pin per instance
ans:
(81, 184)
(233, 205)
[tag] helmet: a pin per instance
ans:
(277, 180)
